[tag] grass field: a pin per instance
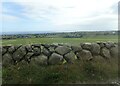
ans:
(73, 41)
(96, 71)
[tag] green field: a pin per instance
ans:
(96, 71)
(73, 41)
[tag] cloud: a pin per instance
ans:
(9, 18)
(70, 13)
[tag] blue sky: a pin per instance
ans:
(59, 15)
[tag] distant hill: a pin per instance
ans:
(30, 32)
(79, 34)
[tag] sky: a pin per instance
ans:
(58, 15)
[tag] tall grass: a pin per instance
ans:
(95, 71)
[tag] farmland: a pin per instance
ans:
(99, 70)
(74, 38)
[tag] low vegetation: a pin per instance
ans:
(71, 41)
(90, 72)
(81, 72)
(69, 38)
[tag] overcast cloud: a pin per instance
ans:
(59, 15)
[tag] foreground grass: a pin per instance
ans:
(90, 72)
(73, 41)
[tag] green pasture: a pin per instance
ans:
(71, 41)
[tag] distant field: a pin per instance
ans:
(71, 41)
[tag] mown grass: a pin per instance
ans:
(73, 41)
(81, 72)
